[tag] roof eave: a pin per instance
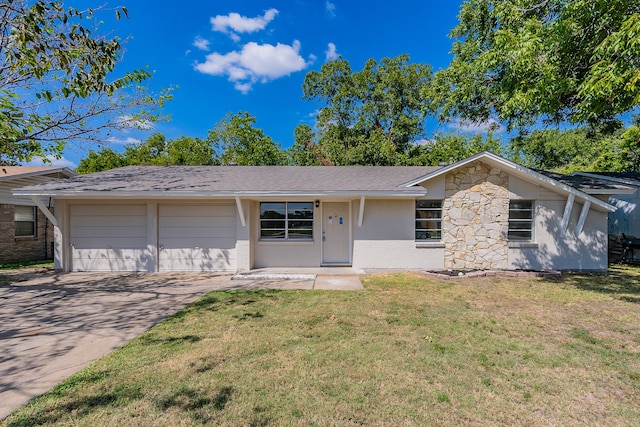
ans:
(409, 193)
(64, 170)
(516, 169)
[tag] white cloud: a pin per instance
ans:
(201, 43)
(129, 140)
(52, 161)
(236, 23)
(254, 63)
(423, 141)
(331, 8)
(130, 122)
(476, 127)
(330, 54)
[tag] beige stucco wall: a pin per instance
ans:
(387, 238)
(551, 249)
(285, 254)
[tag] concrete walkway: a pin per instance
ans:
(53, 326)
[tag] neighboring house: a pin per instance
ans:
(25, 233)
(484, 212)
(626, 219)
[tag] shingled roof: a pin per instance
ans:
(590, 184)
(238, 180)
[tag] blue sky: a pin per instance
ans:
(229, 56)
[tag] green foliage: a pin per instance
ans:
(237, 141)
(304, 151)
(370, 117)
(57, 82)
(156, 151)
(610, 148)
(555, 60)
(103, 160)
(449, 148)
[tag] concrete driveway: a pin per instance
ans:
(51, 327)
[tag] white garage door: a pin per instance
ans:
(197, 238)
(109, 238)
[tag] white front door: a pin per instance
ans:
(335, 233)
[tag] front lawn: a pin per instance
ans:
(405, 351)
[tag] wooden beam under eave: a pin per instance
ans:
(361, 213)
(583, 217)
(567, 214)
(45, 210)
(243, 221)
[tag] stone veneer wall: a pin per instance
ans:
(475, 218)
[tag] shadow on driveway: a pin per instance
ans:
(54, 326)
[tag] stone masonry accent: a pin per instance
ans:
(15, 249)
(475, 218)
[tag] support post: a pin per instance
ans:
(361, 213)
(243, 221)
(583, 217)
(567, 214)
(45, 210)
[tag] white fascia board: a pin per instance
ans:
(66, 170)
(66, 194)
(519, 170)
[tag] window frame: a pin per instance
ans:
(33, 221)
(287, 221)
(437, 219)
(511, 231)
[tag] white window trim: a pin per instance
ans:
(428, 242)
(286, 225)
(522, 241)
(35, 223)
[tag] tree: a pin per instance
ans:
(369, 117)
(449, 148)
(155, 151)
(575, 61)
(608, 148)
(304, 151)
(103, 160)
(57, 81)
(237, 141)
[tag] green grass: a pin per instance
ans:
(23, 264)
(405, 351)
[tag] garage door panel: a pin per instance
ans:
(111, 232)
(109, 220)
(108, 210)
(110, 260)
(120, 243)
(195, 232)
(204, 211)
(198, 221)
(197, 238)
(109, 238)
(198, 243)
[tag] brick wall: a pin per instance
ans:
(15, 249)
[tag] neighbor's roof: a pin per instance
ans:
(198, 181)
(591, 184)
(624, 178)
(17, 172)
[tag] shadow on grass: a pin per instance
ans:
(621, 282)
(79, 407)
(197, 404)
